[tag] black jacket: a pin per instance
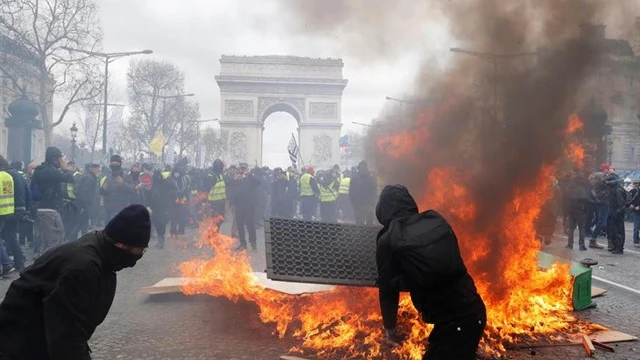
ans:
(48, 180)
(52, 310)
(617, 200)
(410, 254)
(362, 189)
(86, 191)
(245, 191)
(118, 196)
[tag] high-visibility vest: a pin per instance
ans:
(7, 200)
(71, 188)
(219, 190)
(305, 185)
(103, 179)
(344, 185)
(327, 194)
(166, 174)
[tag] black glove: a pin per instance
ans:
(393, 337)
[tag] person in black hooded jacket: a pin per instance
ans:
(52, 310)
(410, 251)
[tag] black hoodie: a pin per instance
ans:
(418, 252)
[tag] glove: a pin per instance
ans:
(393, 337)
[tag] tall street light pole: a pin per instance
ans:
(107, 58)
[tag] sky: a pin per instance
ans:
(193, 34)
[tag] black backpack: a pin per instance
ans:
(427, 250)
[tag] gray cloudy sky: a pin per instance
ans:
(194, 33)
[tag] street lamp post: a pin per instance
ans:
(74, 135)
(107, 58)
(494, 59)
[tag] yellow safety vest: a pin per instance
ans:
(327, 194)
(103, 179)
(71, 188)
(344, 185)
(219, 190)
(166, 174)
(305, 185)
(7, 200)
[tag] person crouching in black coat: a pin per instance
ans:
(419, 253)
(52, 310)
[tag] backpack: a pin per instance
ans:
(427, 250)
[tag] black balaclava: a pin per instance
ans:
(132, 227)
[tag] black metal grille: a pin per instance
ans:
(321, 253)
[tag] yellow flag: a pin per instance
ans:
(157, 143)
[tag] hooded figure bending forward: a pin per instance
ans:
(419, 253)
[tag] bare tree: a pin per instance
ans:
(154, 89)
(214, 144)
(40, 29)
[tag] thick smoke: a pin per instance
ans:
(455, 124)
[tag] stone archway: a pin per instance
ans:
(254, 87)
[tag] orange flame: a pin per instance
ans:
(575, 152)
(575, 124)
(523, 302)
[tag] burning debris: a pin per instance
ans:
(487, 168)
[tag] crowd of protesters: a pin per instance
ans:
(595, 205)
(56, 202)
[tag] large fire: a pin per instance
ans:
(523, 301)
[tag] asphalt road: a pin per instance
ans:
(178, 327)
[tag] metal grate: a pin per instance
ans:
(321, 253)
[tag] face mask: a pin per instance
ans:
(115, 167)
(123, 259)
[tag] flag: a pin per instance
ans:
(157, 143)
(343, 141)
(292, 148)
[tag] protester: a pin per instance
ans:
(362, 192)
(117, 189)
(9, 229)
(46, 190)
(216, 186)
(279, 191)
(182, 182)
(245, 187)
(309, 193)
(86, 190)
(52, 310)
(162, 200)
(617, 206)
(419, 253)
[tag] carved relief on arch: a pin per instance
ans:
(238, 147)
(322, 149)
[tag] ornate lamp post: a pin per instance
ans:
(74, 135)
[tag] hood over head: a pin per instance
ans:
(395, 202)
(217, 167)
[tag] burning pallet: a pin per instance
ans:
(344, 254)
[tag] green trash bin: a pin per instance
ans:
(581, 279)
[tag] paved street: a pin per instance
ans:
(200, 327)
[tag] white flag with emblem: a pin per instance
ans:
(293, 151)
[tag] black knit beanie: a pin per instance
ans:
(132, 226)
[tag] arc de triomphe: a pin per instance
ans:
(254, 87)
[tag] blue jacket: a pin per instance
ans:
(21, 192)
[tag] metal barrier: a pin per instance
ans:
(320, 253)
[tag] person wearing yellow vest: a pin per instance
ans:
(309, 193)
(7, 209)
(216, 185)
(344, 203)
(11, 229)
(328, 186)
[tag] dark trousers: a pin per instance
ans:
(329, 211)
(456, 340)
(10, 237)
(160, 221)
(70, 220)
(82, 225)
(179, 219)
(590, 215)
(308, 207)
(602, 215)
(364, 215)
(576, 221)
(245, 218)
(615, 231)
(636, 227)
(218, 210)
